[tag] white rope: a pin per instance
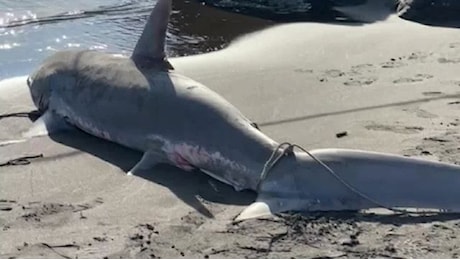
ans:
(287, 148)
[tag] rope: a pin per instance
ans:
(25, 160)
(272, 160)
(21, 114)
(287, 148)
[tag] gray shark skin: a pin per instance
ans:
(139, 102)
(157, 112)
(298, 182)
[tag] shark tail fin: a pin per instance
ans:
(255, 210)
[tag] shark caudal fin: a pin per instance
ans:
(255, 210)
(151, 44)
(269, 203)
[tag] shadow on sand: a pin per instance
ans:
(396, 219)
(194, 187)
(190, 187)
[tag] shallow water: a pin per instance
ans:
(31, 30)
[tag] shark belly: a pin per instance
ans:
(87, 123)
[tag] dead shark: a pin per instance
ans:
(141, 103)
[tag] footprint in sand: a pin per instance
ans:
(444, 147)
(414, 79)
(432, 93)
(194, 218)
(46, 250)
(392, 64)
(420, 112)
(418, 56)
(450, 82)
(7, 205)
(394, 128)
(361, 68)
(454, 45)
(334, 73)
(39, 215)
(360, 81)
(456, 82)
(306, 71)
(444, 60)
(143, 243)
(54, 214)
(365, 66)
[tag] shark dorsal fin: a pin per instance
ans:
(151, 45)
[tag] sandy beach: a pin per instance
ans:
(392, 86)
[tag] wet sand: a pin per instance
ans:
(393, 86)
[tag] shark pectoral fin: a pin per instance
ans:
(48, 123)
(255, 210)
(147, 161)
(151, 44)
(151, 158)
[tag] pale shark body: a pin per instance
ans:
(140, 103)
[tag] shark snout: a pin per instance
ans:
(29, 81)
(39, 92)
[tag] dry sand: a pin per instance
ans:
(393, 86)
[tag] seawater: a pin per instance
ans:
(31, 30)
